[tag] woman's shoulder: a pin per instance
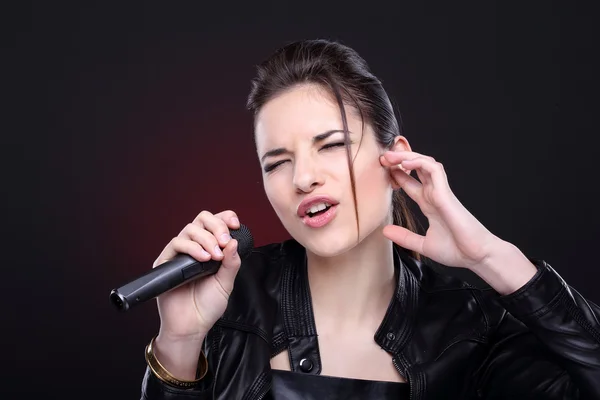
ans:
(264, 265)
(454, 290)
(434, 277)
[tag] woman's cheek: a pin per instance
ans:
(373, 175)
(273, 193)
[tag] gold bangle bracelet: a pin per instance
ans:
(161, 373)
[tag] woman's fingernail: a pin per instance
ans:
(205, 253)
(235, 221)
(225, 238)
(218, 251)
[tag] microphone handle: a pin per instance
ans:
(166, 276)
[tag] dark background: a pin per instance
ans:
(123, 122)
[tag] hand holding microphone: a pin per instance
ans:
(193, 276)
(192, 279)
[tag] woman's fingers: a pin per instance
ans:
(211, 231)
(410, 185)
(204, 238)
(230, 218)
(213, 224)
(396, 157)
(230, 266)
(182, 245)
(218, 224)
(404, 238)
(428, 170)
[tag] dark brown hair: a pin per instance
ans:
(346, 75)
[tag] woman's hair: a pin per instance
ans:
(341, 71)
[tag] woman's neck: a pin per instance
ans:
(354, 289)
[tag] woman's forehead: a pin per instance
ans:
(301, 112)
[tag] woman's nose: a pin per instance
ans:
(307, 177)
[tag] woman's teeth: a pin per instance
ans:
(316, 208)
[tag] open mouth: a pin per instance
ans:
(318, 210)
(319, 215)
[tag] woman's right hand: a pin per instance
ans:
(188, 312)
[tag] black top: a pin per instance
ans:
(298, 386)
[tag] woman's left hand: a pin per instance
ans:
(454, 237)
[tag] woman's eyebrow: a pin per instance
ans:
(316, 139)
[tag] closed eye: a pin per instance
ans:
(271, 167)
(330, 145)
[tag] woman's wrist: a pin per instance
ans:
(506, 269)
(179, 356)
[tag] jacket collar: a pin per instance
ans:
(298, 319)
(396, 328)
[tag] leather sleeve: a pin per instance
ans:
(546, 345)
(155, 389)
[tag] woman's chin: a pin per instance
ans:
(330, 246)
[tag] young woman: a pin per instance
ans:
(348, 309)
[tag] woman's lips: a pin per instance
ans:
(310, 201)
(321, 220)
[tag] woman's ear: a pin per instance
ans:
(400, 144)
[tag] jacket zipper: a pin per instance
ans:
(414, 392)
(263, 394)
(262, 388)
(404, 371)
(576, 314)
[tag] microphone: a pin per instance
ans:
(176, 272)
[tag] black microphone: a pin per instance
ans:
(176, 272)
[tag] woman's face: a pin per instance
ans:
(306, 168)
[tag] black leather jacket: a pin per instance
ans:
(448, 338)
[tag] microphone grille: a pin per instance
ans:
(245, 240)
